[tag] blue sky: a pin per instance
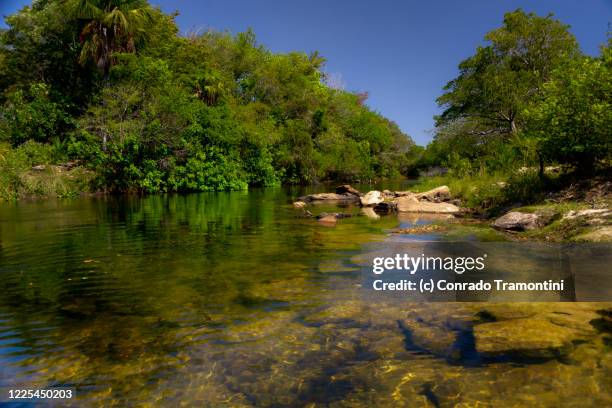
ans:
(402, 52)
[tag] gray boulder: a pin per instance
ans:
(517, 221)
(436, 195)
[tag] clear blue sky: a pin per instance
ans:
(402, 52)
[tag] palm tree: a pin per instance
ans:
(209, 87)
(110, 26)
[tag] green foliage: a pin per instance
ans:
(152, 112)
(495, 84)
(527, 98)
(32, 115)
(572, 120)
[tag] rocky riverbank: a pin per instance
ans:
(553, 221)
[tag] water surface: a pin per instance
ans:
(232, 299)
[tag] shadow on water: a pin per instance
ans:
(463, 350)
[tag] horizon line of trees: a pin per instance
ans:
(111, 84)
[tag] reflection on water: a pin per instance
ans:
(229, 299)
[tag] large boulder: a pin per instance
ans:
(435, 195)
(517, 221)
(348, 189)
(371, 199)
(412, 204)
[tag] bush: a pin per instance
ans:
(32, 115)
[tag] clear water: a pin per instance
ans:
(230, 299)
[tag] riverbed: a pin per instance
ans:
(235, 299)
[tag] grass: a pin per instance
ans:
(18, 179)
(490, 192)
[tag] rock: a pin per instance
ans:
(40, 167)
(403, 201)
(601, 234)
(435, 195)
(370, 213)
(603, 212)
(386, 207)
(69, 165)
(411, 204)
(329, 197)
(436, 339)
(299, 204)
(348, 189)
(531, 337)
(498, 312)
(418, 218)
(371, 198)
(329, 219)
(403, 193)
(547, 215)
(388, 194)
(517, 221)
(305, 214)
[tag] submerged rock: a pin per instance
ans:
(529, 337)
(371, 198)
(299, 204)
(518, 221)
(331, 218)
(437, 339)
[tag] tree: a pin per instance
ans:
(40, 45)
(110, 26)
(32, 115)
(572, 119)
(494, 85)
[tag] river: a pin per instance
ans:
(232, 299)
